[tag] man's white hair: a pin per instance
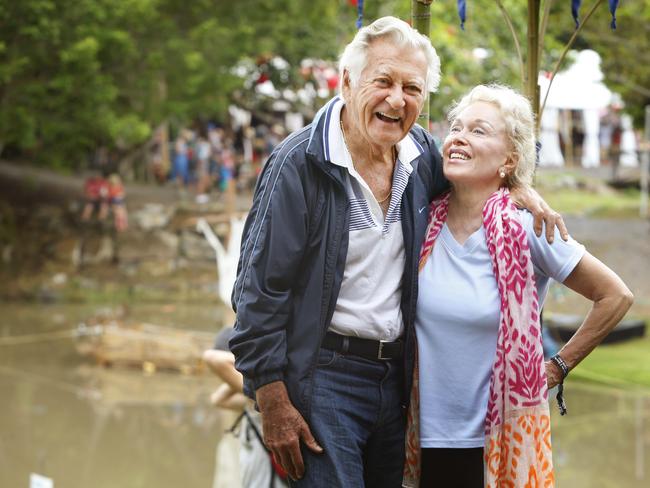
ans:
(355, 56)
(520, 126)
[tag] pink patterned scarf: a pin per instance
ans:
(517, 424)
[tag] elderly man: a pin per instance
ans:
(327, 280)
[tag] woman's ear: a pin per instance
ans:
(511, 162)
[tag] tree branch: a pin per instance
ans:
(514, 38)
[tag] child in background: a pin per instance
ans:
(96, 195)
(116, 196)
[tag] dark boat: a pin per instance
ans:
(562, 328)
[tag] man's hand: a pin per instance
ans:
(283, 428)
(529, 199)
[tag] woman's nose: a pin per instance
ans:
(458, 136)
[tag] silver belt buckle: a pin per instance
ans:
(381, 350)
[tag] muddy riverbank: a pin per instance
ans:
(162, 257)
(48, 254)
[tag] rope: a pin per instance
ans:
(51, 382)
(82, 330)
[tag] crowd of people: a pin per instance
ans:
(209, 158)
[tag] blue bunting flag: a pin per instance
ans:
(461, 13)
(360, 12)
(613, 4)
(575, 7)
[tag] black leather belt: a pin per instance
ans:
(365, 348)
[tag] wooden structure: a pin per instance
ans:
(151, 347)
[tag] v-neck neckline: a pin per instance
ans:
(468, 246)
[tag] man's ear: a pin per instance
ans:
(345, 83)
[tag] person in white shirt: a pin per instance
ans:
(479, 413)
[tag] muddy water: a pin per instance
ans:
(85, 426)
(604, 441)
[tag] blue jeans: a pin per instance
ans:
(357, 417)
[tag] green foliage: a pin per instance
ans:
(485, 28)
(77, 75)
(624, 51)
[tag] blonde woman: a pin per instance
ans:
(479, 412)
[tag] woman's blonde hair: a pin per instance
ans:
(519, 120)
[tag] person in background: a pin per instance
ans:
(478, 412)
(227, 167)
(327, 278)
(215, 136)
(203, 154)
(181, 165)
(257, 469)
(96, 197)
(117, 202)
(103, 196)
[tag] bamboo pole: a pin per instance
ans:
(421, 21)
(645, 165)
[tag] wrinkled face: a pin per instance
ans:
(386, 101)
(477, 147)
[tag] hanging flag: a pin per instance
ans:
(613, 4)
(575, 7)
(360, 12)
(461, 13)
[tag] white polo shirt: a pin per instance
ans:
(368, 304)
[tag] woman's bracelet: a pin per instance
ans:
(557, 359)
(559, 362)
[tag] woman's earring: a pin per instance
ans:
(502, 172)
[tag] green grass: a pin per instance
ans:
(622, 204)
(626, 364)
(574, 193)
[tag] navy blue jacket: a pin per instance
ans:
(293, 255)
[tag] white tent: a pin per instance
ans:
(578, 88)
